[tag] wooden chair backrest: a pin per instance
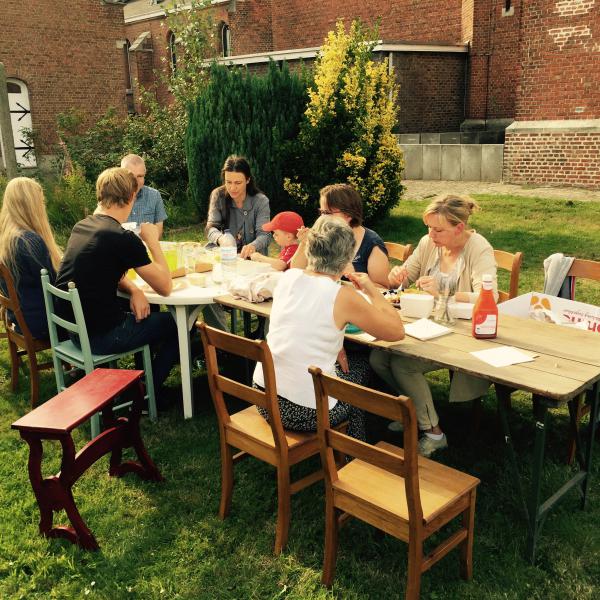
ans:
(10, 301)
(395, 408)
(512, 263)
(256, 350)
(398, 251)
(585, 269)
(76, 326)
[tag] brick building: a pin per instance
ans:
(535, 67)
(524, 72)
(58, 56)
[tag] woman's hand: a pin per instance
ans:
(139, 304)
(256, 257)
(428, 284)
(302, 234)
(362, 283)
(398, 276)
(247, 250)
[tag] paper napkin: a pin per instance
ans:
(424, 329)
(503, 356)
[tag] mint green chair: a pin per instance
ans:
(83, 357)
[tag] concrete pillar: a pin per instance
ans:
(450, 162)
(413, 161)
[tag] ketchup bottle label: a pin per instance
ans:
(485, 324)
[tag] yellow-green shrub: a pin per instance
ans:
(346, 133)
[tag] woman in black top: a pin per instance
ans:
(26, 246)
(370, 255)
(341, 200)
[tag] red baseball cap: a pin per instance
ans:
(286, 221)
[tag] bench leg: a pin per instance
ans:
(53, 494)
(131, 438)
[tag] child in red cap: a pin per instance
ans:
(284, 226)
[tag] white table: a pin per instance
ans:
(186, 304)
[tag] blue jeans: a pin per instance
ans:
(158, 329)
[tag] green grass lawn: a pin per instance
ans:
(165, 540)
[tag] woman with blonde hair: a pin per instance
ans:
(451, 252)
(26, 246)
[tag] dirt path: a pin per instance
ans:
(419, 190)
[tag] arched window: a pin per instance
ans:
(225, 40)
(508, 8)
(172, 39)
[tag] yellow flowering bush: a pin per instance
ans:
(346, 133)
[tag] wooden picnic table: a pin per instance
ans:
(568, 363)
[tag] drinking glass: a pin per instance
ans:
(446, 288)
(189, 255)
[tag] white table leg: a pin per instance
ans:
(185, 316)
(185, 360)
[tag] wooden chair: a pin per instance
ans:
(249, 432)
(583, 269)
(82, 356)
(21, 344)
(398, 251)
(512, 263)
(395, 490)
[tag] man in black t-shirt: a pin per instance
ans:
(98, 255)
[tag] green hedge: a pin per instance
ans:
(252, 115)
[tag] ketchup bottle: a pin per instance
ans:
(485, 312)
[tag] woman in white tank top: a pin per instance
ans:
(310, 312)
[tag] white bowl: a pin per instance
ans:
(418, 306)
(460, 310)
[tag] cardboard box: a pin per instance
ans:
(551, 308)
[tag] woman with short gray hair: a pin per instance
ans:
(309, 315)
(329, 245)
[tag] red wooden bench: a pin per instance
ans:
(56, 419)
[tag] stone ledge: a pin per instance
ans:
(564, 126)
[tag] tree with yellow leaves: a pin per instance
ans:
(346, 132)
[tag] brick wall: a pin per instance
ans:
(144, 64)
(304, 23)
(66, 53)
(432, 90)
(561, 60)
(568, 158)
(495, 58)
(251, 26)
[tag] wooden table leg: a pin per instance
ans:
(503, 396)
(594, 400)
(541, 420)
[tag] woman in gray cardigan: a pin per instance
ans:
(238, 205)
